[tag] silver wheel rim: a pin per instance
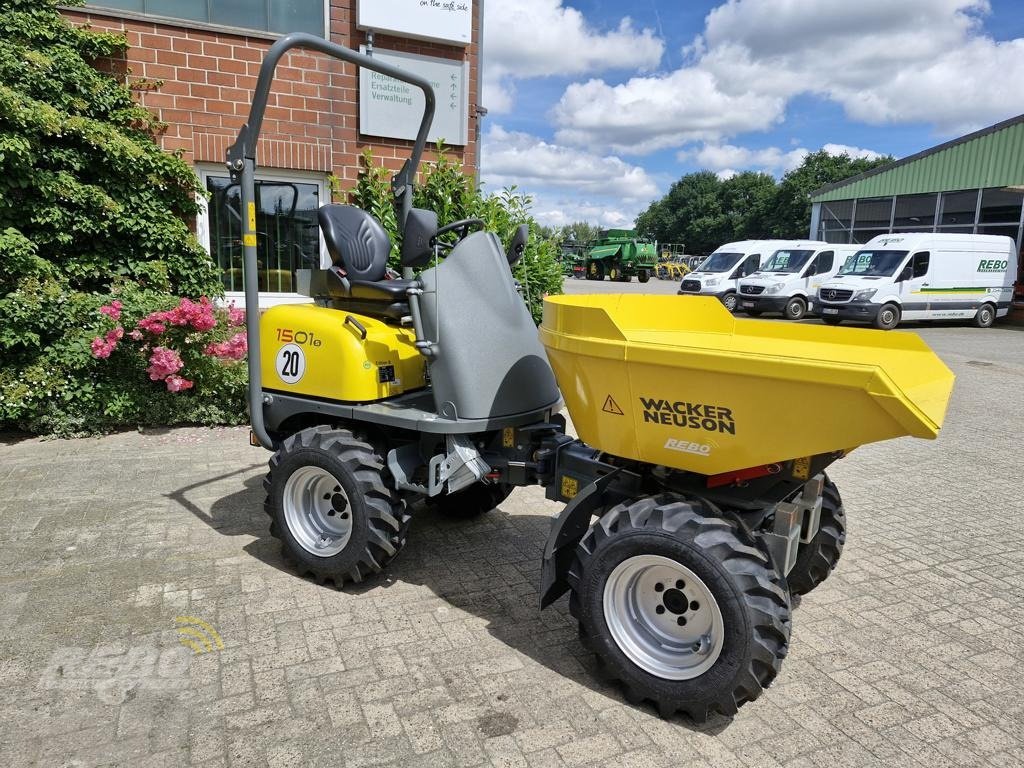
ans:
(986, 315)
(796, 310)
(680, 641)
(888, 316)
(317, 511)
(730, 302)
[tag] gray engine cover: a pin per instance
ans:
(489, 360)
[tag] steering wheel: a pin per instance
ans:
(462, 226)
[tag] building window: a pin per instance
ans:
(1000, 206)
(914, 212)
(871, 217)
(959, 208)
(836, 219)
(280, 16)
(287, 232)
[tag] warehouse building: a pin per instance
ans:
(973, 184)
(204, 56)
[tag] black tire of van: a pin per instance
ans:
(795, 309)
(888, 317)
(985, 316)
(730, 301)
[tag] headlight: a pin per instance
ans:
(865, 295)
(712, 281)
(775, 288)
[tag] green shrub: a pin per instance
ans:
(66, 389)
(91, 210)
(446, 190)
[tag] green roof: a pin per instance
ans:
(991, 157)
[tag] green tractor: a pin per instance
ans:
(619, 254)
(573, 257)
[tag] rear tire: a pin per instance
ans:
(329, 505)
(985, 317)
(795, 308)
(472, 501)
(888, 317)
(831, 320)
(715, 633)
(819, 557)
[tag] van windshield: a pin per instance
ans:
(873, 263)
(786, 261)
(719, 262)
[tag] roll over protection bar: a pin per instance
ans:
(241, 162)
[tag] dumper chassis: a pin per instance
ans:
(436, 388)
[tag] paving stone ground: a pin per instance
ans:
(910, 655)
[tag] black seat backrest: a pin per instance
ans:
(356, 241)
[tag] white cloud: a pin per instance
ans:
(568, 184)
(650, 113)
(857, 153)
(883, 61)
(538, 38)
(725, 159)
(519, 158)
(555, 211)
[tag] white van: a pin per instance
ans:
(788, 281)
(923, 276)
(720, 272)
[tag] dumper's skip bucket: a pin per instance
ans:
(680, 382)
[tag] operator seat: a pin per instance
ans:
(359, 249)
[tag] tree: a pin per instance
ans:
(92, 211)
(791, 211)
(81, 176)
(444, 188)
(580, 232)
(748, 199)
(703, 211)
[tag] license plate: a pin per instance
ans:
(748, 305)
(828, 311)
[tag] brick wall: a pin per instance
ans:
(311, 120)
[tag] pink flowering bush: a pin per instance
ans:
(180, 345)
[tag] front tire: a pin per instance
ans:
(796, 308)
(888, 317)
(816, 560)
(730, 302)
(329, 505)
(715, 633)
(985, 316)
(643, 275)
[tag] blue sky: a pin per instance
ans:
(596, 107)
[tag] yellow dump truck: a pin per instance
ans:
(695, 500)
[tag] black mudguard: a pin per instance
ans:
(566, 532)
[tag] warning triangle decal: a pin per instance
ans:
(610, 406)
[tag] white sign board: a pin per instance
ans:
(449, 21)
(393, 109)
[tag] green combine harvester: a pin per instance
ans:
(619, 254)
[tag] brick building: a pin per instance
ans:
(207, 54)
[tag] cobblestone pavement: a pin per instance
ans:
(910, 655)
